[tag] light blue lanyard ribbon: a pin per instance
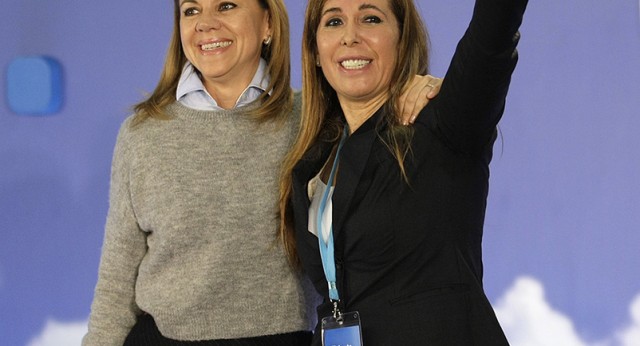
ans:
(327, 249)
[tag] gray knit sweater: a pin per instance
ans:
(190, 235)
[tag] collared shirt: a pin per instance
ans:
(192, 93)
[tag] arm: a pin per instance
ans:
(473, 94)
(114, 311)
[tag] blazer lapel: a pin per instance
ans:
(353, 160)
(312, 161)
(307, 168)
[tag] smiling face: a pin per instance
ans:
(223, 39)
(357, 47)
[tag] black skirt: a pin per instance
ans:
(146, 333)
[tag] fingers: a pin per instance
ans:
(434, 84)
(409, 98)
(431, 90)
(408, 101)
(419, 91)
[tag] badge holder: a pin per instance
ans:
(341, 329)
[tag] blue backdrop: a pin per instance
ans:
(563, 221)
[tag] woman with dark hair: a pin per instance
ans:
(387, 220)
(190, 252)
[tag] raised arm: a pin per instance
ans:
(473, 94)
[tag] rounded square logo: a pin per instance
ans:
(34, 85)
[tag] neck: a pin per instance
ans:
(357, 112)
(227, 89)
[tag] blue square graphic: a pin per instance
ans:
(34, 85)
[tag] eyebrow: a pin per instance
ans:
(369, 7)
(362, 7)
(182, 2)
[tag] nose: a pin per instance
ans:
(350, 35)
(207, 23)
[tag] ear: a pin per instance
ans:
(268, 26)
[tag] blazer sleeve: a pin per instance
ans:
(473, 94)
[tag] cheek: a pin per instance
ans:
(388, 49)
(184, 37)
(186, 48)
(324, 52)
(392, 58)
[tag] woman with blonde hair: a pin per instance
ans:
(387, 220)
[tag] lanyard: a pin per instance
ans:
(327, 249)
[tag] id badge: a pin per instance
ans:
(342, 331)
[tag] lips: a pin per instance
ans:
(355, 64)
(215, 45)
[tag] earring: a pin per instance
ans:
(318, 61)
(267, 41)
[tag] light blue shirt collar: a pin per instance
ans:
(192, 93)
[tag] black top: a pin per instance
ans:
(409, 256)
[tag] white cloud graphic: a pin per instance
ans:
(59, 333)
(529, 320)
(631, 335)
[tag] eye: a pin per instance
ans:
(372, 19)
(188, 12)
(226, 6)
(333, 22)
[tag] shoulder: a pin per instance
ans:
(297, 96)
(295, 114)
(135, 129)
(297, 103)
(127, 126)
(124, 139)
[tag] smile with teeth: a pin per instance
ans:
(355, 64)
(215, 45)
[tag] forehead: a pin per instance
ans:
(217, 2)
(356, 4)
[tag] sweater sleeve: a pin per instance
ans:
(473, 94)
(114, 310)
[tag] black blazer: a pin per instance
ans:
(408, 255)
